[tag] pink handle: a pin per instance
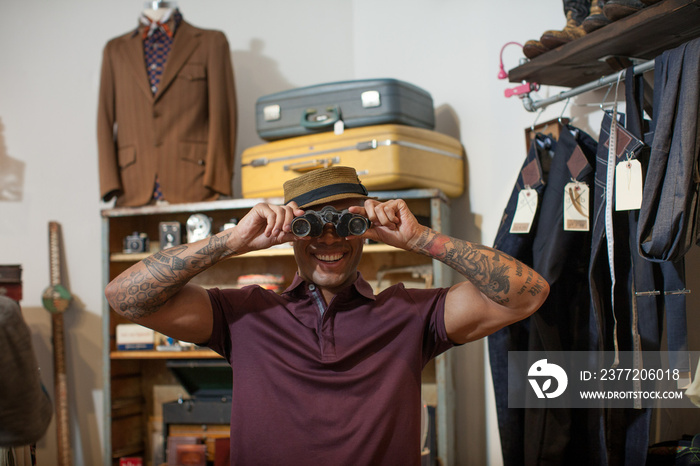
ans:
(522, 89)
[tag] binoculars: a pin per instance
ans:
(345, 223)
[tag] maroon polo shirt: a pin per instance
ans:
(334, 386)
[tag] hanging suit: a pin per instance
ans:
(185, 134)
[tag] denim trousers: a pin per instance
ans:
(511, 424)
(562, 435)
(669, 216)
(669, 281)
(553, 436)
(628, 318)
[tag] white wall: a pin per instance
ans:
(50, 55)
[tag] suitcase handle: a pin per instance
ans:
(308, 165)
(311, 119)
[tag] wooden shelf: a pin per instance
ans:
(154, 354)
(272, 252)
(643, 35)
(248, 203)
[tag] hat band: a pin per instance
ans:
(330, 190)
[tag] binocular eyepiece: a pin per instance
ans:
(345, 223)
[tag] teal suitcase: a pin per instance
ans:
(351, 104)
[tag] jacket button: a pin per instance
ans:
(200, 162)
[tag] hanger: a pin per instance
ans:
(550, 128)
(602, 102)
(157, 9)
(157, 4)
(561, 115)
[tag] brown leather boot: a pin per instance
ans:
(617, 9)
(573, 30)
(596, 19)
(533, 48)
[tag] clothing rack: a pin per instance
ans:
(533, 105)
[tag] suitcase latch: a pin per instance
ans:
(258, 162)
(370, 99)
(367, 145)
(271, 112)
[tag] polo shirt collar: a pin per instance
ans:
(360, 286)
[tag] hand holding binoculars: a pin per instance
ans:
(345, 223)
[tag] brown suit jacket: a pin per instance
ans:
(185, 133)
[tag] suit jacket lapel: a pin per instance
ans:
(186, 41)
(133, 58)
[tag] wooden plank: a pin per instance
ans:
(203, 353)
(643, 35)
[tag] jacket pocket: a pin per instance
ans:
(192, 152)
(126, 156)
(193, 72)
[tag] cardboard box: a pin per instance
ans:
(11, 281)
(134, 337)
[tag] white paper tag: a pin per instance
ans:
(628, 185)
(524, 211)
(339, 127)
(576, 207)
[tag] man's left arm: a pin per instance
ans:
(499, 289)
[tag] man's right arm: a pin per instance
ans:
(156, 292)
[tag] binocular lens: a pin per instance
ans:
(301, 226)
(357, 225)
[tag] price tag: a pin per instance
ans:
(628, 185)
(524, 211)
(576, 207)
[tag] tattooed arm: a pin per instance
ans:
(498, 290)
(156, 292)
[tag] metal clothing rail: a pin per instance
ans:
(533, 105)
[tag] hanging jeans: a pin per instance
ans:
(679, 205)
(669, 220)
(557, 436)
(669, 216)
(630, 319)
(533, 174)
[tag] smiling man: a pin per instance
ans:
(327, 372)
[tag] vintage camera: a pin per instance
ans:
(170, 234)
(345, 223)
(136, 243)
(198, 227)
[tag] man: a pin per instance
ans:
(327, 372)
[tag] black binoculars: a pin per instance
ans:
(345, 223)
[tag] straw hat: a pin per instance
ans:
(324, 185)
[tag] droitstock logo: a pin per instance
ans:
(541, 374)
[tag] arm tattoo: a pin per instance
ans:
(490, 270)
(144, 291)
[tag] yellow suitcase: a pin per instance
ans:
(386, 157)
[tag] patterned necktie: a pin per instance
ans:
(157, 41)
